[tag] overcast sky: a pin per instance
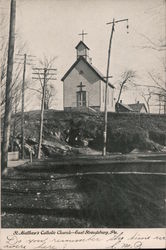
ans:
(51, 27)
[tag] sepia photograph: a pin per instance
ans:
(83, 114)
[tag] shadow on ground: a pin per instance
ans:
(52, 200)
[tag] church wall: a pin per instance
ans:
(82, 73)
(110, 101)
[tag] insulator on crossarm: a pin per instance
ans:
(127, 26)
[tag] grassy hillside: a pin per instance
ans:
(125, 131)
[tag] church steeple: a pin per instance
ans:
(82, 50)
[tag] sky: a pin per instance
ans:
(51, 28)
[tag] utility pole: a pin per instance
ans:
(46, 74)
(42, 114)
(25, 63)
(106, 89)
(14, 127)
(8, 101)
(22, 113)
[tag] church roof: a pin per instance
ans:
(81, 42)
(96, 71)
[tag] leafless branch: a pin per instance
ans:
(37, 90)
(161, 46)
(126, 77)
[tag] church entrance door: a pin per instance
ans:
(81, 99)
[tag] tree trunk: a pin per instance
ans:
(117, 103)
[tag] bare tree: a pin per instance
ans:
(147, 97)
(50, 92)
(159, 46)
(17, 70)
(126, 78)
(48, 63)
(158, 86)
(15, 86)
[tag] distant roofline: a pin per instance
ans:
(82, 43)
(126, 106)
(138, 104)
(130, 108)
(91, 66)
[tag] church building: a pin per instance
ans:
(84, 85)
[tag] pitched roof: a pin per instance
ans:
(125, 106)
(81, 42)
(97, 72)
(137, 106)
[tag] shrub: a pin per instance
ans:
(158, 136)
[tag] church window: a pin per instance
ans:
(81, 96)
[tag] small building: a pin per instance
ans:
(135, 107)
(138, 107)
(84, 85)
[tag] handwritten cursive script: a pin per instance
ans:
(64, 239)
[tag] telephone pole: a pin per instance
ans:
(25, 63)
(42, 114)
(8, 101)
(46, 77)
(107, 79)
(22, 113)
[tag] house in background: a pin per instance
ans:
(84, 85)
(138, 107)
(135, 107)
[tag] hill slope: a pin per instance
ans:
(64, 130)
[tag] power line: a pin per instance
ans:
(42, 78)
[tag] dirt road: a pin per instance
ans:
(91, 193)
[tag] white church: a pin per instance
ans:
(84, 85)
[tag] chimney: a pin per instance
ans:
(120, 101)
(137, 102)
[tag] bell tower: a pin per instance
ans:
(81, 48)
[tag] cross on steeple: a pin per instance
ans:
(82, 34)
(80, 86)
